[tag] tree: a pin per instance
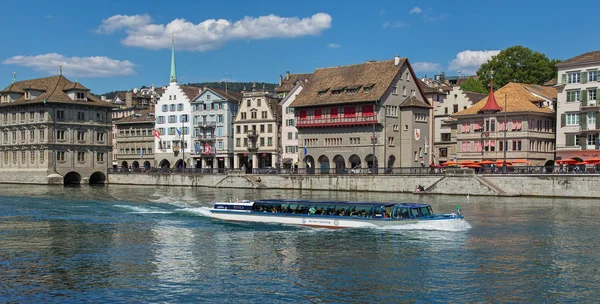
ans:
(517, 64)
(473, 85)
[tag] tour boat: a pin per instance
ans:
(328, 214)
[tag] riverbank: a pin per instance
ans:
(539, 185)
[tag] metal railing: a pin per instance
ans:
(521, 170)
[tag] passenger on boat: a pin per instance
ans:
(312, 210)
(342, 212)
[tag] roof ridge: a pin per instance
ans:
(356, 64)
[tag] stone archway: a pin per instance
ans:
(355, 162)
(72, 178)
(164, 164)
(135, 164)
(97, 178)
(124, 164)
(324, 164)
(391, 161)
(371, 161)
(179, 163)
(340, 164)
(309, 161)
(146, 165)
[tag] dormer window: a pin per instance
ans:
(27, 95)
(80, 95)
(369, 89)
(336, 92)
(323, 92)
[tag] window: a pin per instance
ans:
(395, 90)
(591, 120)
(22, 136)
(245, 129)
(290, 135)
(390, 141)
(396, 128)
(420, 117)
(165, 108)
(516, 145)
(249, 102)
(573, 96)
(258, 102)
(262, 128)
(61, 156)
(99, 117)
(80, 116)
(572, 119)
(591, 94)
(172, 107)
(289, 122)
(407, 76)
(237, 142)
(412, 93)
(446, 136)
(405, 127)
(31, 115)
(269, 128)
(81, 156)
(207, 96)
(100, 157)
(454, 108)
(592, 76)
(264, 114)
(60, 114)
(100, 137)
(219, 118)
(490, 125)
(243, 115)
(289, 110)
(80, 95)
(573, 77)
(253, 115)
(180, 107)
(269, 141)
(81, 136)
(23, 157)
(174, 97)
(60, 135)
(446, 110)
(355, 140)
(262, 141)
(403, 91)
(443, 152)
(349, 112)
(184, 118)
(238, 129)
(391, 111)
(592, 139)
(42, 156)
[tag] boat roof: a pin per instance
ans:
(288, 201)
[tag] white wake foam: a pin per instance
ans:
(143, 210)
(202, 211)
(450, 225)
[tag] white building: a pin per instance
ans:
(173, 110)
(578, 110)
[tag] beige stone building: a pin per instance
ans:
(53, 131)
(365, 115)
(256, 131)
(135, 140)
(521, 111)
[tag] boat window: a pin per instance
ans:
(378, 211)
(388, 211)
(321, 209)
(362, 211)
(414, 212)
(293, 208)
(424, 212)
(342, 210)
(331, 210)
(401, 212)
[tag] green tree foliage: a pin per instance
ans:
(517, 64)
(473, 85)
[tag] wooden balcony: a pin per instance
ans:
(336, 121)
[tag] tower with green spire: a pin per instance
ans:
(173, 71)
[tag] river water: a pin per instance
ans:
(153, 244)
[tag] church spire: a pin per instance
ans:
(491, 105)
(173, 72)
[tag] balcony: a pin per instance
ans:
(205, 124)
(205, 137)
(252, 146)
(252, 134)
(336, 121)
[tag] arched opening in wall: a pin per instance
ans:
(355, 163)
(146, 165)
(135, 164)
(371, 161)
(179, 164)
(164, 164)
(309, 162)
(72, 178)
(390, 164)
(340, 164)
(324, 164)
(124, 165)
(97, 178)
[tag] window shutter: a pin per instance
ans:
(563, 120)
(583, 121)
(583, 142)
(597, 120)
(597, 96)
(570, 140)
(583, 95)
(564, 78)
(583, 77)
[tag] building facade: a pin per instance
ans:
(578, 109)
(517, 111)
(213, 113)
(53, 131)
(362, 116)
(134, 147)
(257, 131)
(173, 145)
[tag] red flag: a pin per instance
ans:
(156, 134)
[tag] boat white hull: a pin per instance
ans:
(313, 220)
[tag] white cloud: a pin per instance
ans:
(426, 67)
(395, 24)
(415, 10)
(211, 34)
(95, 66)
(469, 61)
(333, 45)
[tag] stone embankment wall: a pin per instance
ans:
(491, 185)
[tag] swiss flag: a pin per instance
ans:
(156, 134)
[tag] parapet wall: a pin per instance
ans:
(492, 185)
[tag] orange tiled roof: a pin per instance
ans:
(518, 99)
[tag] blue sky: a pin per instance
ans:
(117, 45)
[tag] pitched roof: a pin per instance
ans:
(191, 92)
(139, 116)
(587, 57)
(544, 91)
(413, 101)
(518, 99)
(288, 82)
(233, 96)
(551, 82)
(430, 90)
(74, 86)
(53, 89)
(474, 96)
(379, 74)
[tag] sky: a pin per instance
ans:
(120, 45)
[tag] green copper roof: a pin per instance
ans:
(173, 71)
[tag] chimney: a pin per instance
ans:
(287, 75)
(103, 97)
(280, 80)
(397, 60)
(128, 99)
